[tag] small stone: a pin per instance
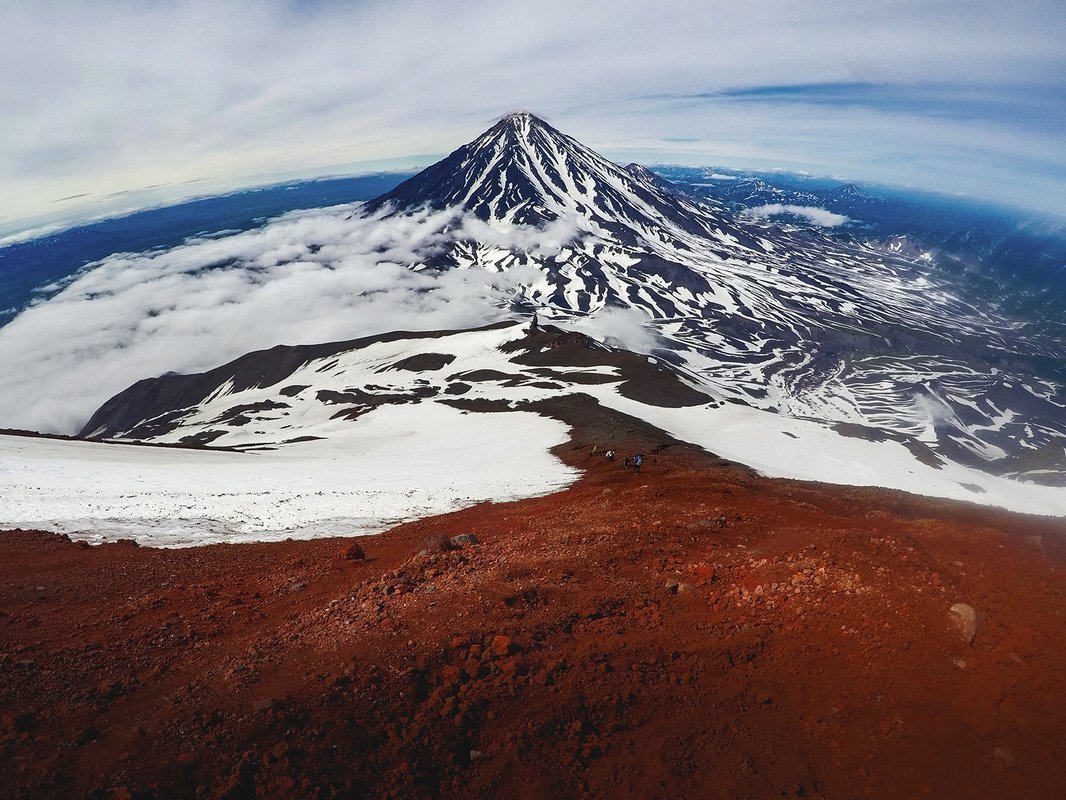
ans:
(264, 705)
(501, 646)
(24, 723)
(1005, 756)
(464, 539)
(355, 553)
(671, 585)
(87, 735)
(965, 619)
(509, 667)
(435, 543)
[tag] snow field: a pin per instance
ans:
(398, 463)
(413, 459)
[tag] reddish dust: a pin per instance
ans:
(691, 631)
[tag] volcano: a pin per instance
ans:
(523, 171)
(863, 344)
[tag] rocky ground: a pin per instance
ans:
(691, 631)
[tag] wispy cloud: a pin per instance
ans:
(245, 90)
(816, 216)
(1039, 109)
(620, 327)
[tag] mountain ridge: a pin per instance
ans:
(777, 319)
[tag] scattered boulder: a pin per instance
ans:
(355, 553)
(264, 705)
(965, 618)
(464, 539)
(435, 543)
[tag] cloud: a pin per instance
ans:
(816, 216)
(931, 409)
(249, 91)
(537, 241)
(626, 328)
(313, 276)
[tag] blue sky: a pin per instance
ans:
(115, 105)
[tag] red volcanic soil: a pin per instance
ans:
(693, 631)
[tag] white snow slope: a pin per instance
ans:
(398, 463)
(380, 465)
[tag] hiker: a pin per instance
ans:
(626, 464)
(595, 447)
(610, 455)
(638, 459)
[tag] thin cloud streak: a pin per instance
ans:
(814, 215)
(104, 99)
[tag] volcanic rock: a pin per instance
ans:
(965, 618)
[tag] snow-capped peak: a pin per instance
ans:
(524, 171)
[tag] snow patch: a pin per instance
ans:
(782, 447)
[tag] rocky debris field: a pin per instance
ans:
(691, 631)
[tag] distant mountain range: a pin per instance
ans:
(1016, 259)
(857, 337)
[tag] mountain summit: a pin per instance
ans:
(524, 171)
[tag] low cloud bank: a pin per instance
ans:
(310, 276)
(816, 216)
